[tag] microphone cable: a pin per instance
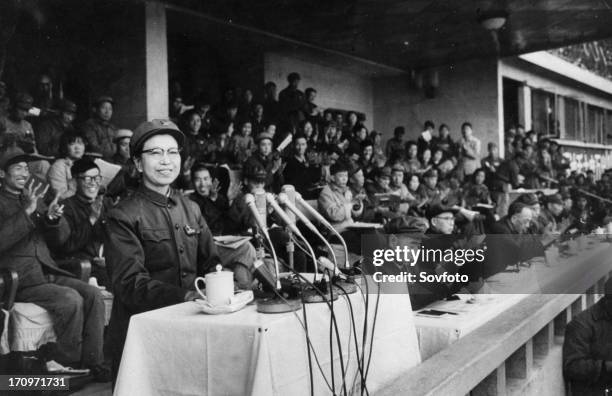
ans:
(373, 329)
(333, 316)
(332, 324)
(309, 347)
(353, 325)
(354, 328)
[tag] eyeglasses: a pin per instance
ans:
(89, 179)
(159, 152)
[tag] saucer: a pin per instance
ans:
(237, 302)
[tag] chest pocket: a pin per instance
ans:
(155, 235)
(157, 245)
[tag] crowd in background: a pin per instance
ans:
(294, 141)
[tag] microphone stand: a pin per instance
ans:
(327, 225)
(290, 247)
(346, 284)
(283, 301)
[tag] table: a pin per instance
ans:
(555, 275)
(436, 333)
(179, 351)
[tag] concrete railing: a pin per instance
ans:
(502, 356)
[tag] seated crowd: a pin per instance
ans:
(53, 204)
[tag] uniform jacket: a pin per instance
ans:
(155, 248)
(508, 247)
(214, 212)
(587, 344)
(22, 244)
(48, 135)
(76, 236)
(100, 135)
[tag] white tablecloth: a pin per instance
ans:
(503, 291)
(436, 333)
(180, 351)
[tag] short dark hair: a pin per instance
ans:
(516, 207)
(293, 76)
(198, 167)
(67, 139)
(309, 90)
(270, 84)
(399, 130)
(429, 124)
(442, 126)
(466, 124)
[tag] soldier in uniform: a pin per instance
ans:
(99, 131)
(17, 130)
(157, 241)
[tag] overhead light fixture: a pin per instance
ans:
(493, 21)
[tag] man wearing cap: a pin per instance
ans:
(50, 130)
(429, 187)
(17, 130)
(157, 241)
(270, 161)
(440, 236)
(587, 348)
(77, 308)
(81, 228)
(99, 131)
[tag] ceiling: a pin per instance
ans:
(415, 33)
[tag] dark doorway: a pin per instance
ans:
(511, 102)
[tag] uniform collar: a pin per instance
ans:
(7, 194)
(156, 197)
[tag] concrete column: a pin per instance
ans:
(525, 107)
(156, 48)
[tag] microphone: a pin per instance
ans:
(260, 203)
(322, 220)
(284, 199)
(283, 216)
(249, 199)
(289, 190)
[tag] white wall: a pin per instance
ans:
(336, 88)
(467, 92)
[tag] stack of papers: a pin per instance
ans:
(231, 241)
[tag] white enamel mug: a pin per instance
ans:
(219, 287)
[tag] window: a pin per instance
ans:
(573, 126)
(544, 112)
(594, 131)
